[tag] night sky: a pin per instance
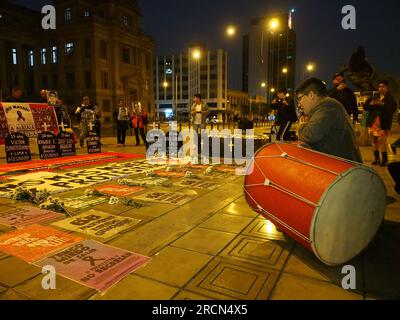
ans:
(174, 24)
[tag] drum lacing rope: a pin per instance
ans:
(300, 235)
(269, 183)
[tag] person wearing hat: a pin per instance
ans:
(328, 128)
(342, 93)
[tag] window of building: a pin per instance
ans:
(87, 48)
(106, 106)
(104, 80)
(31, 60)
(136, 56)
(54, 54)
(69, 48)
(127, 21)
(88, 79)
(86, 13)
(43, 55)
(103, 50)
(70, 77)
(67, 14)
(14, 56)
(126, 57)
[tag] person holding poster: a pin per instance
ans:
(85, 114)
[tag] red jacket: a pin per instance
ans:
(138, 121)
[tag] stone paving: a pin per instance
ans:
(216, 247)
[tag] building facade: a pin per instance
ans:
(98, 49)
(269, 56)
(177, 78)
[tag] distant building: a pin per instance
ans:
(269, 56)
(98, 50)
(238, 103)
(178, 77)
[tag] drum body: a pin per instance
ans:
(331, 206)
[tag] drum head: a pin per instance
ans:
(349, 216)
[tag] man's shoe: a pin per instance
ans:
(393, 147)
(377, 162)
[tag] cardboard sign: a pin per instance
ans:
(44, 113)
(97, 224)
(35, 242)
(166, 197)
(198, 184)
(93, 143)
(48, 145)
(17, 148)
(24, 216)
(118, 190)
(95, 265)
(60, 182)
(20, 119)
(66, 144)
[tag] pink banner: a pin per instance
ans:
(94, 264)
(24, 216)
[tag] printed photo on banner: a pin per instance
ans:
(35, 242)
(97, 224)
(94, 265)
(118, 190)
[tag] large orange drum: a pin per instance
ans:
(331, 206)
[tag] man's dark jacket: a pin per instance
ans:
(385, 112)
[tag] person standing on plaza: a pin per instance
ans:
(396, 144)
(199, 113)
(328, 128)
(123, 118)
(344, 95)
(139, 121)
(286, 114)
(381, 109)
(85, 115)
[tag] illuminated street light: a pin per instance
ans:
(263, 84)
(272, 90)
(274, 24)
(231, 31)
(165, 84)
(285, 70)
(196, 54)
(310, 67)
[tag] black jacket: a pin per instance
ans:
(385, 112)
(347, 98)
(12, 99)
(285, 113)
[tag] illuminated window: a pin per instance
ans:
(31, 60)
(54, 53)
(43, 54)
(69, 48)
(14, 56)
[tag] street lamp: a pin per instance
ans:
(263, 84)
(310, 67)
(231, 31)
(165, 84)
(196, 54)
(285, 70)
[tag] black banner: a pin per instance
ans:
(93, 143)
(17, 148)
(48, 145)
(66, 144)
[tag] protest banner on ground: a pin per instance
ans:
(95, 265)
(35, 242)
(97, 224)
(24, 216)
